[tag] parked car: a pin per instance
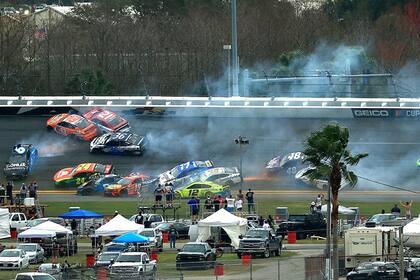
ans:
(116, 247)
(35, 222)
(132, 265)
(385, 220)
(17, 220)
(106, 258)
(34, 251)
(53, 269)
(304, 225)
(375, 271)
(155, 237)
(259, 241)
(150, 220)
(34, 276)
(13, 259)
(195, 255)
(181, 228)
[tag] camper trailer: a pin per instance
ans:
(369, 244)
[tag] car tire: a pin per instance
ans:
(208, 194)
(266, 253)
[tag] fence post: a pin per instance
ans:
(278, 269)
(250, 269)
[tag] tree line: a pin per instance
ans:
(175, 47)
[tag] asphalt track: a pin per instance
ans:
(392, 146)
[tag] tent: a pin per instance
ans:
(51, 226)
(4, 223)
(81, 214)
(36, 233)
(131, 238)
(118, 226)
(411, 232)
(341, 210)
(233, 226)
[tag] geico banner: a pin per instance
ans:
(386, 113)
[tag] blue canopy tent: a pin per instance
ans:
(81, 214)
(131, 238)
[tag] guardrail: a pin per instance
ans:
(208, 102)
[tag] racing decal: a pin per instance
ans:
(296, 156)
(372, 113)
(20, 150)
(84, 167)
(193, 192)
(11, 165)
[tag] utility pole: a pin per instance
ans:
(235, 64)
(328, 244)
(401, 253)
(241, 140)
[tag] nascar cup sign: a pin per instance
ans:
(386, 113)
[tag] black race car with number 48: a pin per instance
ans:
(119, 144)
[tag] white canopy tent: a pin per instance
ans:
(233, 226)
(4, 223)
(51, 226)
(36, 233)
(118, 226)
(411, 233)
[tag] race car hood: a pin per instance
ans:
(63, 174)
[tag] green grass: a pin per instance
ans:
(265, 208)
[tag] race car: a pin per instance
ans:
(21, 162)
(293, 165)
(81, 174)
(129, 185)
(106, 120)
(98, 186)
(225, 176)
(72, 125)
(119, 143)
(183, 170)
(202, 190)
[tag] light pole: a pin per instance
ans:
(228, 48)
(241, 140)
(235, 63)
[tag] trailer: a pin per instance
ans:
(369, 244)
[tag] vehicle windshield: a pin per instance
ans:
(379, 218)
(114, 247)
(82, 123)
(195, 248)
(148, 233)
(124, 181)
(257, 233)
(108, 257)
(163, 227)
(129, 258)
(10, 254)
(27, 248)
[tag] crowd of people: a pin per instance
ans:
(6, 191)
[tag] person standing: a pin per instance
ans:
(35, 186)
(73, 226)
(250, 201)
(23, 190)
(270, 221)
(9, 192)
(169, 195)
(2, 193)
(318, 202)
(158, 195)
(407, 207)
(216, 203)
(240, 195)
(173, 233)
(55, 250)
(31, 190)
(396, 210)
(266, 225)
(208, 204)
(139, 218)
(238, 205)
(193, 203)
(230, 202)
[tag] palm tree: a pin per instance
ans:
(326, 150)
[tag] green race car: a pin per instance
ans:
(202, 190)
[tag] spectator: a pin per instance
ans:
(238, 204)
(230, 203)
(193, 203)
(139, 218)
(240, 195)
(158, 195)
(55, 250)
(270, 221)
(169, 195)
(73, 226)
(208, 204)
(396, 210)
(266, 225)
(216, 203)
(2, 193)
(173, 233)
(312, 207)
(250, 201)
(383, 211)
(32, 190)
(222, 201)
(23, 190)
(318, 201)
(35, 186)
(407, 207)
(260, 221)
(9, 192)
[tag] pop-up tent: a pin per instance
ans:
(46, 229)
(4, 223)
(411, 233)
(36, 233)
(118, 226)
(233, 226)
(81, 214)
(131, 238)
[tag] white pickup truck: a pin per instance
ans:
(133, 265)
(17, 220)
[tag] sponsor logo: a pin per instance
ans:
(372, 113)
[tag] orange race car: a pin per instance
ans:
(129, 185)
(72, 125)
(106, 120)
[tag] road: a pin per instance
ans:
(391, 144)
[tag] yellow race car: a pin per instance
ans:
(202, 190)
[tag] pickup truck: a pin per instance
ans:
(133, 265)
(150, 220)
(17, 220)
(259, 241)
(304, 225)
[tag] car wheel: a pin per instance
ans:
(208, 194)
(266, 253)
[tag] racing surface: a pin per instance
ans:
(392, 146)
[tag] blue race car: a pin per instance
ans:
(99, 185)
(21, 162)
